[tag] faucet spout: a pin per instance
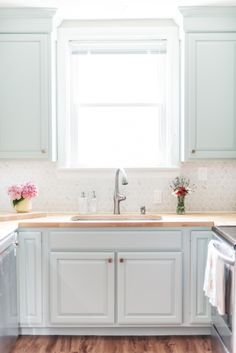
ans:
(118, 197)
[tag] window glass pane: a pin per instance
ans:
(118, 78)
(126, 136)
(118, 107)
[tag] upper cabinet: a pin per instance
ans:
(27, 115)
(209, 83)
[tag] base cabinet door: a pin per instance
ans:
(150, 288)
(200, 307)
(30, 278)
(82, 288)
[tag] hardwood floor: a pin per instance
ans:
(85, 344)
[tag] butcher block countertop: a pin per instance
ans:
(13, 221)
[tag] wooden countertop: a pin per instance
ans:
(11, 222)
(7, 228)
(6, 216)
(165, 221)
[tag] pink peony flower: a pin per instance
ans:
(15, 191)
(25, 191)
(29, 190)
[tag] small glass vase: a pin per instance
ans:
(23, 206)
(180, 209)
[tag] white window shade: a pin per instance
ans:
(118, 46)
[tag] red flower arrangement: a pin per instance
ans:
(180, 188)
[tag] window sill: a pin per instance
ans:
(142, 170)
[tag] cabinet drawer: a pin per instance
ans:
(106, 240)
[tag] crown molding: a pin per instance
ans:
(26, 19)
(208, 11)
(209, 18)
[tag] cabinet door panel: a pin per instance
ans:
(200, 307)
(30, 278)
(24, 95)
(82, 288)
(212, 95)
(150, 288)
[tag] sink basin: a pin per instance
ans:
(116, 218)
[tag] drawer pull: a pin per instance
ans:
(43, 151)
(193, 151)
(121, 261)
(110, 260)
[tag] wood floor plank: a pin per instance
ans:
(96, 344)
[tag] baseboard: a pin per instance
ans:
(116, 331)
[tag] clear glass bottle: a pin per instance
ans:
(83, 203)
(93, 203)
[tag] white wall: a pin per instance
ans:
(59, 190)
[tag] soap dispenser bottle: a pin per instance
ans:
(83, 204)
(93, 203)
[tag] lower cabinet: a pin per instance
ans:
(111, 279)
(82, 287)
(200, 307)
(149, 288)
(30, 278)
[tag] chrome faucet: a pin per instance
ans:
(117, 196)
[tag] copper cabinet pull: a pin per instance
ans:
(110, 260)
(121, 260)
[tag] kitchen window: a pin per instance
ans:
(119, 106)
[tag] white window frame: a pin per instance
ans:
(118, 30)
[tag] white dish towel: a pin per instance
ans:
(214, 282)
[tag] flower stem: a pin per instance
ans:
(180, 205)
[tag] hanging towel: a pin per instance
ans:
(210, 274)
(215, 274)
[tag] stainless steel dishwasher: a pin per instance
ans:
(224, 325)
(8, 294)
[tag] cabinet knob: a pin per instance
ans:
(110, 260)
(193, 151)
(121, 260)
(43, 151)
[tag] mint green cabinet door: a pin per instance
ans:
(149, 288)
(82, 288)
(24, 96)
(30, 287)
(210, 93)
(200, 307)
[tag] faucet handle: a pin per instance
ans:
(142, 210)
(121, 197)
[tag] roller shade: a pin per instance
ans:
(118, 47)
